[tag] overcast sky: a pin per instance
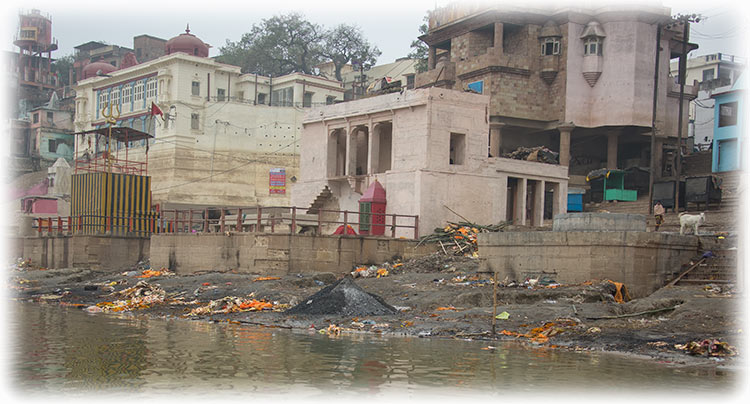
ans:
(391, 25)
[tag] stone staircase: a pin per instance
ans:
(720, 269)
(320, 200)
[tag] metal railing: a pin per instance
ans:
(275, 219)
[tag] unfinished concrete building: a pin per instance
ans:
(428, 149)
(578, 81)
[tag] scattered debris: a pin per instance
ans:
(707, 347)
(141, 296)
(266, 278)
(538, 153)
(231, 304)
(460, 238)
(543, 333)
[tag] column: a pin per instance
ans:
(496, 139)
(498, 40)
(373, 149)
(519, 208)
(565, 131)
(612, 151)
(351, 151)
(538, 218)
(431, 56)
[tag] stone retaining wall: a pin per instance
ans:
(275, 254)
(81, 251)
(643, 261)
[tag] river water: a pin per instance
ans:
(64, 351)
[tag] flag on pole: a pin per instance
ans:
(155, 110)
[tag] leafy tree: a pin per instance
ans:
(420, 49)
(277, 46)
(62, 67)
(289, 43)
(344, 44)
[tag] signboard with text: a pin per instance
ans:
(277, 181)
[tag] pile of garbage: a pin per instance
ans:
(376, 271)
(141, 296)
(343, 297)
(707, 347)
(460, 238)
(22, 264)
(542, 334)
(232, 304)
(538, 153)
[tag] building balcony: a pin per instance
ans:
(443, 75)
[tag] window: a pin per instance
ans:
(592, 46)
(728, 114)
(457, 148)
(194, 120)
(550, 46)
(115, 97)
(196, 88)
(708, 74)
(330, 99)
(36, 118)
(138, 92)
(410, 81)
(151, 88)
(126, 95)
(307, 100)
(261, 98)
(50, 117)
(52, 145)
(220, 94)
(103, 99)
(283, 97)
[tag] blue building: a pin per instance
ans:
(729, 127)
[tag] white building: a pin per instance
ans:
(222, 132)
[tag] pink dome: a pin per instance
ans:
(93, 69)
(187, 43)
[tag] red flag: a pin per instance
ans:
(155, 110)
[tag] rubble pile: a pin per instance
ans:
(460, 238)
(539, 153)
(232, 304)
(343, 298)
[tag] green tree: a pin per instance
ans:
(420, 49)
(277, 46)
(346, 43)
(62, 67)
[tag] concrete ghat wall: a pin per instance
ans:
(275, 254)
(94, 252)
(643, 261)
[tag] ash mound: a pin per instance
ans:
(343, 298)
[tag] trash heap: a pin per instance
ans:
(141, 296)
(232, 304)
(707, 347)
(22, 264)
(343, 298)
(460, 238)
(538, 153)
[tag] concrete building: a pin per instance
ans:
(428, 149)
(145, 48)
(730, 131)
(223, 133)
(356, 82)
(51, 131)
(578, 81)
(712, 71)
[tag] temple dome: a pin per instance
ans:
(187, 43)
(96, 68)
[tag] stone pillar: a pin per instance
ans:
(373, 149)
(498, 40)
(431, 57)
(538, 218)
(612, 151)
(565, 131)
(519, 208)
(351, 152)
(496, 139)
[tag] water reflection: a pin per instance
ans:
(60, 349)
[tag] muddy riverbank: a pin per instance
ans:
(435, 296)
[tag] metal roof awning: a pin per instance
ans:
(119, 133)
